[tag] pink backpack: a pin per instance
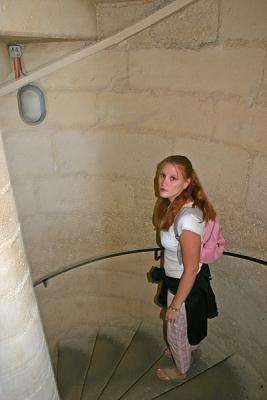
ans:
(212, 244)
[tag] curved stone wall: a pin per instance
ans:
(52, 19)
(83, 179)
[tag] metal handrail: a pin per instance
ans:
(157, 256)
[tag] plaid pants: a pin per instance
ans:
(178, 341)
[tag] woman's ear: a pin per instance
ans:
(187, 183)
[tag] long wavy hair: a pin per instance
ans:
(164, 212)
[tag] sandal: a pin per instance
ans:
(170, 374)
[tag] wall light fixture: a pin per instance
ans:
(31, 104)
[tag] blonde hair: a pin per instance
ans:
(164, 212)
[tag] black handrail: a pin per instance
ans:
(157, 256)
(253, 259)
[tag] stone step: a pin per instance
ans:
(119, 363)
(144, 350)
(111, 344)
(74, 355)
(150, 387)
(233, 378)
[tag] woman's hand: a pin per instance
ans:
(172, 313)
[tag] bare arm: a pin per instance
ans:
(190, 245)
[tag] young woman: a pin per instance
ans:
(182, 201)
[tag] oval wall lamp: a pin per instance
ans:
(31, 104)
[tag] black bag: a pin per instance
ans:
(157, 275)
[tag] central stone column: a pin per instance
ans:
(25, 367)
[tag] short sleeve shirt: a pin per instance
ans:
(191, 219)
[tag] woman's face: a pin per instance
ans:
(171, 182)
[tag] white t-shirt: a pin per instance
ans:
(190, 219)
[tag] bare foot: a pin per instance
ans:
(170, 374)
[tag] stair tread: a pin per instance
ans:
(149, 386)
(73, 359)
(233, 378)
(144, 350)
(120, 363)
(111, 343)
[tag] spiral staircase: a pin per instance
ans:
(119, 363)
(106, 335)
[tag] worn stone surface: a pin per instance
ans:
(36, 55)
(243, 19)
(68, 238)
(54, 18)
(257, 194)
(66, 110)
(262, 94)
(241, 298)
(65, 194)
(241, 124)
(226, 70)
(5, 65)
(9, 113)
(4, 176)
(9, 223)
(161, 112)
(191, 27)
(25, 196)
(29, 155)
(262, 98)
(107, 69)
(221, 168)
(100, 71)
(133, 161)
(249, 223)
(114, 17)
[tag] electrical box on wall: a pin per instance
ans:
(15, 50)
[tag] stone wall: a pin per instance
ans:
(52, 18)
(5, 65)
(83, 179)
(193, 26)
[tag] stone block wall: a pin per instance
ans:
(52, 18)
(190, 28)
(5, 66)
(83, 179)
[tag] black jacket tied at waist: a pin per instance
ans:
(200, 304)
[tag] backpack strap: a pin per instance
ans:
(177, 237)
(175, 222)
